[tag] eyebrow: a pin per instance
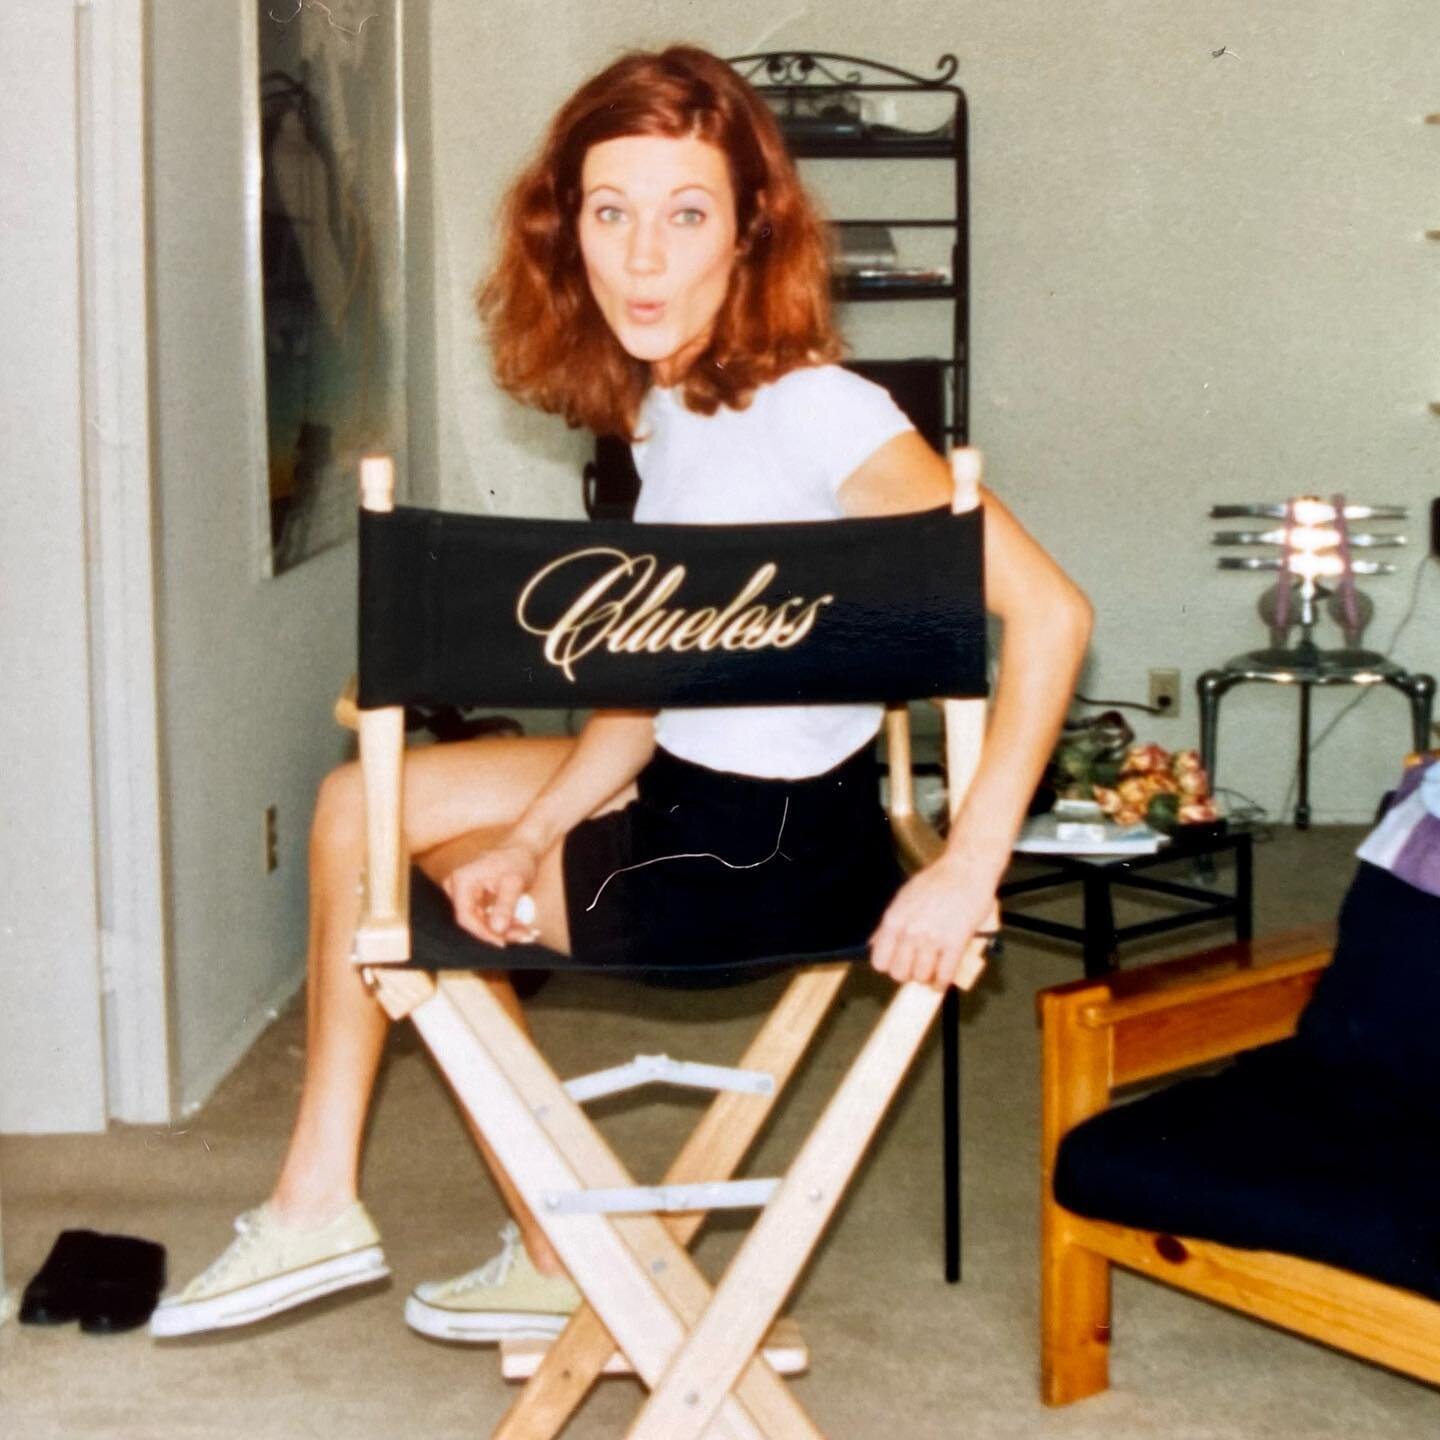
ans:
(678, 190)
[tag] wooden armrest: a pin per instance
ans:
(383, 935)
(1191, 1011)
(347, 712)
(385, 939)
(1136, 1025)
(917, 840)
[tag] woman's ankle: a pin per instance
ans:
(308, 1210)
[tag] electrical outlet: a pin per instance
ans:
(1165, 693)
(270, 838)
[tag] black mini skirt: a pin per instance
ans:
(715, 872)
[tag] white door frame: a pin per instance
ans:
(124, 678)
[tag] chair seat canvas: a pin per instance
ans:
(440, 944)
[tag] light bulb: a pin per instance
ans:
(1306, 539)
(1311, 565)
(1307, 510)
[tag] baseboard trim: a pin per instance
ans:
(196, 1090)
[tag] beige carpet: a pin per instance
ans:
(896, 1349)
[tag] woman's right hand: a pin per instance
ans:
(485, 891)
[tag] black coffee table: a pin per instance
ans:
(1098, 876)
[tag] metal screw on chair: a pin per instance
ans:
(658, 1267)
(552, 1201)
(541, 1111)
(693, 1398)
(815, 1196)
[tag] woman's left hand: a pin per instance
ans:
(930, 923)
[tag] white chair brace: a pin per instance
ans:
(661, 1069)
(663, 1199)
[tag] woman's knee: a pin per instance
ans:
(339, 812)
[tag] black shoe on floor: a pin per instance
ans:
(57, 1293)
(128, 1278)
(108, 1283)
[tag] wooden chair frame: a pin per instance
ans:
(701, 1354)
(1137, 1026)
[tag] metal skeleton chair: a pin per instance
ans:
(901, 615)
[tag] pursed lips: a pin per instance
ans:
(645, 310)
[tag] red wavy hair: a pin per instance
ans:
(551, 345)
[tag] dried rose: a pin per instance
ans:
(1198, 813)
(1144, 759)
(1135, 790)
(1195, 784)
(1108, 800)
(1184, 760)
(1128, 816)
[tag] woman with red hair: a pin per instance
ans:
(661, 277)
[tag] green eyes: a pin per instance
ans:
(614, 214)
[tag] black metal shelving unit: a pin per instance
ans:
(819, 99)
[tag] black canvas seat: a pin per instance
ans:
(440, 944)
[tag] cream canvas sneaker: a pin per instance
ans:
(506, 1298)
(270, 1267)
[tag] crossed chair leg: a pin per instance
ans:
(699, 1353)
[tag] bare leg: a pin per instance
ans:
(548, 893)
(451, 790)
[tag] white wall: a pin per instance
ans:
(250, 666)
(52, 1074)
(1195, 279)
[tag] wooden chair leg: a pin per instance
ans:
(714, 1150)
(644, 1285)
(698, 1382)
(1074, 1315)
(1076, 1065)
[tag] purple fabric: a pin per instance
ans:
(1407, 840)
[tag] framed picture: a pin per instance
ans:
(329, 249)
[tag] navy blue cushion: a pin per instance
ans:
(1325, 1146)
(1273, 1153)
(1375, 1016)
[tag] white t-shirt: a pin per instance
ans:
(784, 457)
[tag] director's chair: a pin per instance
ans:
(470, 609)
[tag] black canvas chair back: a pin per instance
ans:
(470, 610)
(481, 611)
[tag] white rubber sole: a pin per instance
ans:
(269, 1297)
(481, 1327)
